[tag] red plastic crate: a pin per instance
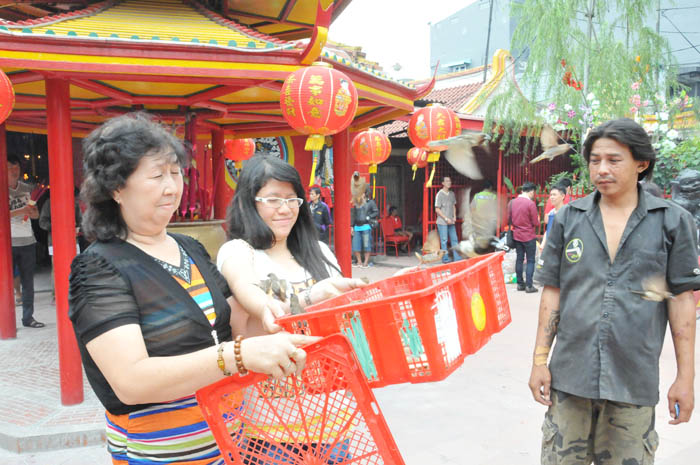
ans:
(417, 327)
(328, 416)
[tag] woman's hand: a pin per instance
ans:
(272, 310)
(331, 287)
(278, 355)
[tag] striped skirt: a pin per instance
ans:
(173, 433)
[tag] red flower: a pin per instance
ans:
(567, 78)
(563, 63)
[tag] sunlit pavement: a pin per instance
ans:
(483, 414)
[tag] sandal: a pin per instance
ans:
(34, 324)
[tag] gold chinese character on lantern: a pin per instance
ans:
(316, 79)
(315, 112)
(316, 90)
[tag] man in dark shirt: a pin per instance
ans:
(320, 213)
(524, 221)
(602, 253)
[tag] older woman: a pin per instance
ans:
(151, 313)
(272, 232)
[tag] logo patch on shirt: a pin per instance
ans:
(574, 250)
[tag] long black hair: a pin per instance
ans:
(245, 223)
(111, 154)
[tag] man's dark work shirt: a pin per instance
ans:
(609, 339)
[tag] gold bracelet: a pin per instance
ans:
(220, 360)
(239, 358)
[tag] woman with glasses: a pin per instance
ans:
(273, 241)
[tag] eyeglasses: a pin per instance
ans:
(276, 202)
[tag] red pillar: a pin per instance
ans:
(63, 232)
(8, 324)
(341, 210)
(222, 193)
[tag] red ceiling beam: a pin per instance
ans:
(213, 93)
(33, 99)
(255, 117)
(25, 76)
(103, 90)
(255, 127)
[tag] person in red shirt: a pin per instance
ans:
(523, 217)
(395, 222)
(564, 183)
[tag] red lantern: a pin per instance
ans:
(417, 158)
(238, 150)
(7, 97)
(430, 124)
(371, 147)
(318, 101)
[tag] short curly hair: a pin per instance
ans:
(111, 153)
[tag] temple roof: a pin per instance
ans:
(282, 19)
(147, 21)
(177, 59)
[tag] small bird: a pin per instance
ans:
(294, 305)
(430, 257)
(358, 186)
(654, 289)
(275, 287)
(432, 243)
(460, 153)
(479, 224)
(549, 139)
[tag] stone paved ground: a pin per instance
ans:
(482, 414)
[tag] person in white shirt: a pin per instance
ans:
(22, 210)
(271, 231)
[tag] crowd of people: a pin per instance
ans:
(156, 319)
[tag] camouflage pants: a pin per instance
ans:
(579, 431)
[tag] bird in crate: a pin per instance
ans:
(460, 152)
(479, 226)
(549, 140)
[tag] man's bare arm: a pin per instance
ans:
(548, 323)
(681, 316)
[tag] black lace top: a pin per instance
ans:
(114, 284)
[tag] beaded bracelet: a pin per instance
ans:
(237, 354)
(220, 360)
